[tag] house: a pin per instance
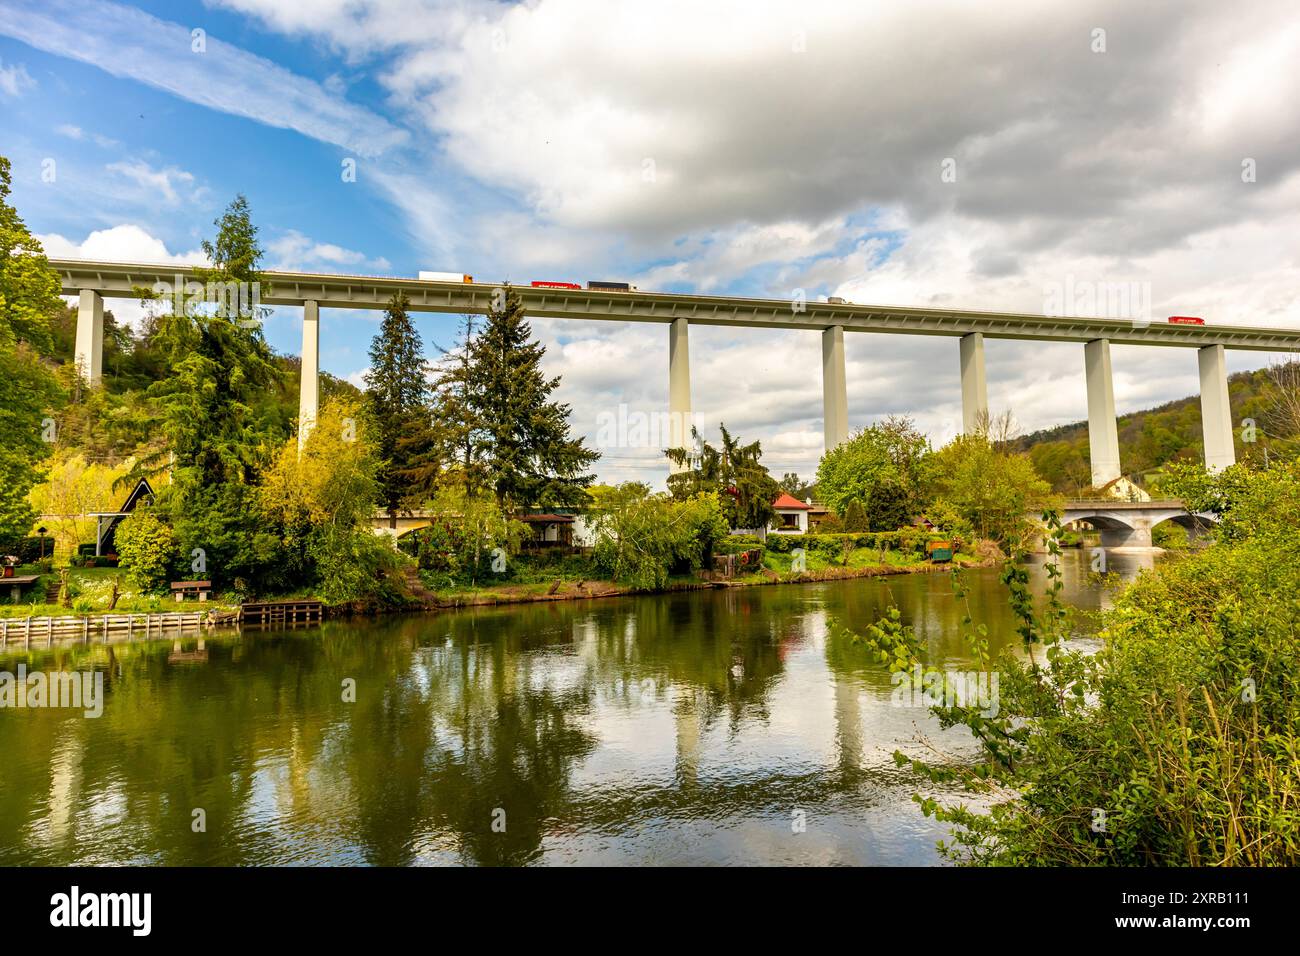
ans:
(1123, 489)
(791, 515)
(818, 513)
(106, 522)
(549, 529)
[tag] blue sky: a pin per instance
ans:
(752, 148)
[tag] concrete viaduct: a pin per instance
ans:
(95, 281)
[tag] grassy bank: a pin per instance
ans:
(92, 590)
(572, 577)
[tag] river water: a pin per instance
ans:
(709, 727)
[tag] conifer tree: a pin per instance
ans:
(397, 391)
(218, 369)
(457, 428)
(733, 471)
(527, 452)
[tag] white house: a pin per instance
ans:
(791, 515)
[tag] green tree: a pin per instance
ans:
(398, 390)
(218, 366)
(471, 538)
(884, 468)
(527, 452)
(322, 499)
(29, 291)
(994, 491)
(29, 288)
(458, 436)
(792, 484)
(733, 471)
(642, 538)
(215, 412)
(146, 547)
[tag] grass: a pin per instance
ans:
(92, 590)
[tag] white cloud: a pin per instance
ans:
(295, 252)
(127, 42)
(14, 80)
(124, 243)
(77, 133)
(162, 183)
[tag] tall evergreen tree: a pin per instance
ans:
(527, 452)
(459, 436)
(397, 391)
(218, 368)
(220, 431)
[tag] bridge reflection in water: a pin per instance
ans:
(688, 728)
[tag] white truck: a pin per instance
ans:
(445, 277)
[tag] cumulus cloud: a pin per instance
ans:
(123, 243)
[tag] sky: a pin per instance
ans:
(954, 154)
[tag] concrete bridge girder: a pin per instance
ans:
(95, 280)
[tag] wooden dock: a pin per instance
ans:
(100, 628)
(282, 612)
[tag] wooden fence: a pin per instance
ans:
(101, 628)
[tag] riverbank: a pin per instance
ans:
(555, 578)
(584, 589)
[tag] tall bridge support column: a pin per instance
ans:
(1103, 433)
(679, 386)
(309, 381)
(1216, 412)
(89, 355)
(835, 391)
(974, 386)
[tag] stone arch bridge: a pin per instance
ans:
(1128, 524)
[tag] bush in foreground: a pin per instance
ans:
(1179, 742)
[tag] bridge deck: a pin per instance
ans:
(127, 280)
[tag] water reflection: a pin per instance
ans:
(679, 729)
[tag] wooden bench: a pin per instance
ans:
(185, 589)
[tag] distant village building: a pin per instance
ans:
(1122, 489)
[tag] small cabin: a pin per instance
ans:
(791, 515)
(106, 522)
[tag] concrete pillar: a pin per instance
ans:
(835, 393)
(90, 336)
(1216, 412)
(1103, 433)
(1138, 536)
(974, 387)
(309, 380)
(679, 386)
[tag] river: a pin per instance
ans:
(709, 727)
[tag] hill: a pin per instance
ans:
(1170, 432)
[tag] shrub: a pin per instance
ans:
(146, 547)
(28, 550)
(1184, 729)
